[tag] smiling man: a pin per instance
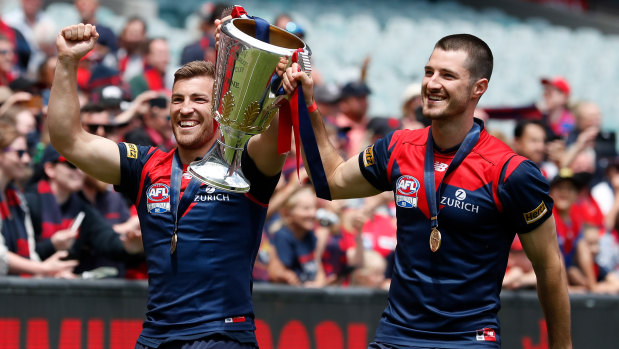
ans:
(200, 243)
(461, 196)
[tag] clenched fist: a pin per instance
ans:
(74, 42)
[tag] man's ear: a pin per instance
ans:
(49, 169)
(479, 88)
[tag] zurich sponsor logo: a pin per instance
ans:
(406, 191)
(459, 202)
(158, 198)
(210, 194)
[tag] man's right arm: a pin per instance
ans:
(344, 177)
(97, 156)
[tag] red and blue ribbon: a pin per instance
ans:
(296, 116)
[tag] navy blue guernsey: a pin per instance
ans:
(204, 287)
(450, 298)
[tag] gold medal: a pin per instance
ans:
(435, 240)
(173, 243)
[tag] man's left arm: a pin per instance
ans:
(542, 249)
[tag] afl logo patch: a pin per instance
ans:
(158, 198)
(406, 191)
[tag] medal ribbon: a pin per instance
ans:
(296, 116)
(432, 196)
(178, 207)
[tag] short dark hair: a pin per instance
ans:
(522, 125)
(193, 69)
(137, 19)
(479, 54)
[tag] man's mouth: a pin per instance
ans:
(188, 123)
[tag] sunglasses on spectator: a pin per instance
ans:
(92, 128)
(20, 152)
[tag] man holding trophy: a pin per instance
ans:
(200, 242)
(461, 197)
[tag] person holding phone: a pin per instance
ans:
(55, 207)
(156, 130)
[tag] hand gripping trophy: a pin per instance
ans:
(246, 94)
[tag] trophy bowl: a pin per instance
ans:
(245, 96)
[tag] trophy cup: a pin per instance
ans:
(245, 96)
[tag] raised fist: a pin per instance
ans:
(74, 42)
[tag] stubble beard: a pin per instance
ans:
(195, 141)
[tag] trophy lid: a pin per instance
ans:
(281, 43)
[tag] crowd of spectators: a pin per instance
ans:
(58, 222)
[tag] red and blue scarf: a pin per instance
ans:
(53, 217)
(14, 213)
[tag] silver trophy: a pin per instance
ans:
(245, 97)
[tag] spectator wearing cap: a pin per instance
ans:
(204, 48)
(555, 108)
(110, 204)
(96, 119)
(88, 11)
(55, 205)
(130, 54)
(17, 242)
(353, 113)
(156, 60)
(327, 97)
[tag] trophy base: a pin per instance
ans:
(218, 175)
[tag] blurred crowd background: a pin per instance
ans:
(551, 97)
